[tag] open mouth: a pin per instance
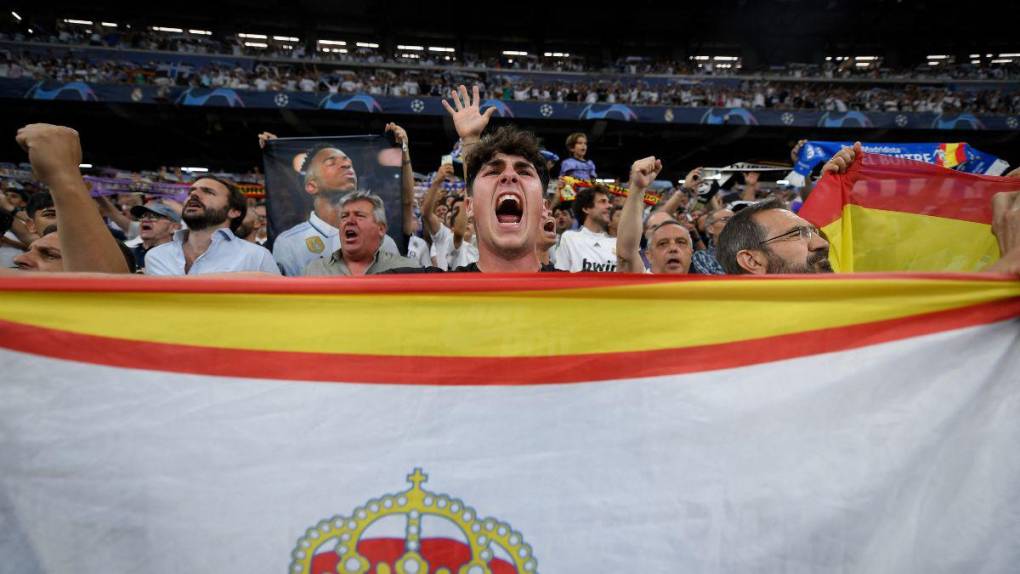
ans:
(350, 233)
(509, 209)
(673, 261)
(146, 226)
(550, 226)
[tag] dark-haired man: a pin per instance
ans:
(213, 210)
(766, 238)
(506, 177)
(590, 247)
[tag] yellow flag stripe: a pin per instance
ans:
(626, 318)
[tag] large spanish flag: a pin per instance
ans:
(893, 214)
(510, 424)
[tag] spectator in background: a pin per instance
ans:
(261, 231)
(157, 223)
(704, 261)
(547, 241)
(589, 248)
(576, 165)
(563, 214)
(434, 212)
(41, 213)
(214, 209)
(669, 243)
(362, 229)
(43, 255)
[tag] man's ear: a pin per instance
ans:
(30, 225)
(753, 261)
(469, 206)
(311, 187)
(233, 213)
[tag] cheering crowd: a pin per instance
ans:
(504, 222)
(212, 43)
(413, 81)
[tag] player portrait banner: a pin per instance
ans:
(894, 214)
(510, 424)
(376, 163)
(959, 156)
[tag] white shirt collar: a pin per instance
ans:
(321, 226)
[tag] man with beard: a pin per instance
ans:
(766, 238)
(328, 175)
(157, 224)
(213, 210)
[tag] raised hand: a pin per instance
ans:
(1006, 220)
(54, 152)
(444, 172)
(795, 152)
(693, 179)
(842, 160)
(466, 113)
(399, 135)
(643, 172)
(264, 137)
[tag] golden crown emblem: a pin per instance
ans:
(486, 545)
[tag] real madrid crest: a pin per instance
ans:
(315, 244)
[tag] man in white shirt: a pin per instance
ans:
(442, 236)
(589, 248)
(214, 208)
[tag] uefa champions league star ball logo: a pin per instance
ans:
(1012, 122)
(417, 106)
(668, 115)
(786, 118)
(281, 100)
(546, 110)
(901, 120)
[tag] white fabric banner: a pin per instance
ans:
(900, 457)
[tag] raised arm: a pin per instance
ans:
(428, 204)
(406, 177)
(1006, 228)
(468, 119)
(679, 198)
(628, 236)
(85, 241)
(460, 223)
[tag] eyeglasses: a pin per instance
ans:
(803, 232)
(150, 216)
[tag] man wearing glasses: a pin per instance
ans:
(765, 238)
(158, 222)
